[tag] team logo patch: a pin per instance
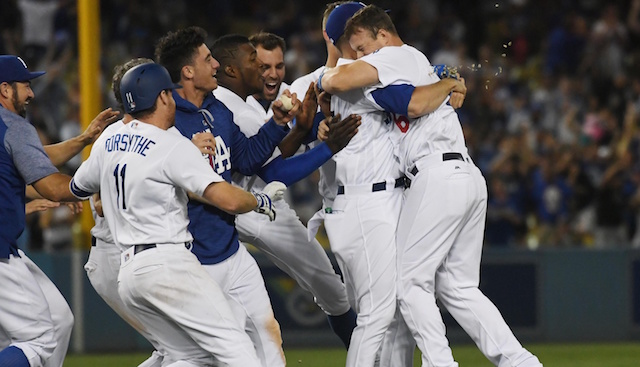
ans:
(130, 101)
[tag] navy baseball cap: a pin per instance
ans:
(338, 19)
(14, 69)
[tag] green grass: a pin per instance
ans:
(551, 355)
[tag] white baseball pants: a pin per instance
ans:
(34, 316)
(285, 243)
(361, 230)
(179, 303)
(102, 269)
(241, 281)
(440, 235)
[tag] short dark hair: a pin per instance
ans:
(119, 71)
(370, 18)
(177, 49)
(268, 41)
(224, 48)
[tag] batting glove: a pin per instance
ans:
(444, 71)
(275, 190)
(265, 206)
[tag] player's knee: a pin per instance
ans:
(273, 328)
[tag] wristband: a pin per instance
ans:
(319, 83)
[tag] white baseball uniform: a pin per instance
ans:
(441, 228)
(103, 265)
(143, 174)
(362, 224)
(284, 240)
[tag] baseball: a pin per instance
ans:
(287, 103)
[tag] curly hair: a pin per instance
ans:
(119, 71)
(177, 49)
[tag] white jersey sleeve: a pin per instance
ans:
(401, 65)
(185, 168)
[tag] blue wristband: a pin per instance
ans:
(319, 83)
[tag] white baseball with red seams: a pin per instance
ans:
(287, 103)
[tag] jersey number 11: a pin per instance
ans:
(120, 184)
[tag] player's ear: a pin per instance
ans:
(187, 72)
(230, 71)
(5, 90)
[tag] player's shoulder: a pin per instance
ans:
(300, 85)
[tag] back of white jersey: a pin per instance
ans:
(425, 135)
(369, 156)
(143, 173)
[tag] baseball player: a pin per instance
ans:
(35, 319)
(215, 237)
(441, 226)
(285, 240)
(369, 198)
(104, 257)
(144, 173)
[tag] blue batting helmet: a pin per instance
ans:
(141, 85)
(338, 19)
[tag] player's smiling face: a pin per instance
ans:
(363, 42)
(273, 70)
(251, 69)
(205, 68)
(20, 94)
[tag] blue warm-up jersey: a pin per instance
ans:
(213, 230)
(22, 161)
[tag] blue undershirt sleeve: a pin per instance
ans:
(394, 98)
(293, 169)
(313, 134)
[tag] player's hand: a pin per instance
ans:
(341, 132)
(39, 205)
(324, 101)
(98, 124)
(458, 94)
(323, 130)
(282, 117)
(275, 190)
(97, 204)
(265, 205)
(205, 142)
(443, 71)
(304, 119)
(75, 207)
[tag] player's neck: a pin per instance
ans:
(192, 94)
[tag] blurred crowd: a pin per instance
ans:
(550, 117)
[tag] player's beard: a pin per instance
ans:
(19, 107)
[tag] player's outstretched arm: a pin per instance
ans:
(427, 98)
(39, 205)
(357, 74)
(234, 200)
(61, 152)
(55, 187)
(293, 169)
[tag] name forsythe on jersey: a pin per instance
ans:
(128, 143)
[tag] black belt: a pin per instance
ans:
(445, 157)
(140, 248)
(93, 241)
(378, 186)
